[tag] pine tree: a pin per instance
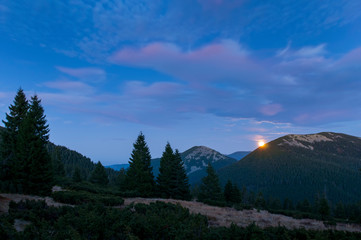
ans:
(10, 166)
(166, 179)
(99, 175)
(40, 176)
(210, 190)
(139, 176)
(182, 190)
(323, 207)
(231, 193)
(172, 179)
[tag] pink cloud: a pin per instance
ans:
(66, 85)
(91, 74)
(271, 109)
(214, 62)
(140, 89)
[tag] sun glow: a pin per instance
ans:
(261, 143)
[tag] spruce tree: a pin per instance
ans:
(172, 179)
(210, 190)
(166, 179)
(10, 166)
(182, 190)
(40, 167)
(231, 193)
(323, 207)
(99, 175)
(139, 177)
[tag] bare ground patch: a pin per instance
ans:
(223, 216)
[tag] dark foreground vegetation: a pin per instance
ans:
(155, 221)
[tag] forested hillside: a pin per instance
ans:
(302, 167)
(66, 160)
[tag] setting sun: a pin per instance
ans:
(261, 143)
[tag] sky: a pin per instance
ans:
(217, 73)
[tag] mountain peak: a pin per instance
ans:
(203, 152)
(307, 140)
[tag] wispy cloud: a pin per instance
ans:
(226, 80)
(87, 74)
(69, 86)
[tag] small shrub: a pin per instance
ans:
(80, 197)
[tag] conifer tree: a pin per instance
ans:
(10, 167)
(99, 175)
(182, 190)
(166, 179)
(323, 207)
(231, 193)
(172, 179)
(40, 176)
(210, 190)
(139, 176)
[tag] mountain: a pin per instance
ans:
(302, 166)
(196, 160)
(239, 155)
(117, 167)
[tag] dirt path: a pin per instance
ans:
(220, 216)
(217, 216)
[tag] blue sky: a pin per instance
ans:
(218, 73)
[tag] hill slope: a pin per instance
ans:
(302, 166)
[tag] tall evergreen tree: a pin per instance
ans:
(182, 190)
(40, 176)
(139, 176)
(166, 179)
(228, 191)
(323, 207)
(172, 179)
(99, 175)
(10, 166)
(210, 190)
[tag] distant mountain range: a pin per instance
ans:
(118, 167)
(196, 160)
(302, 166)
(239, 155)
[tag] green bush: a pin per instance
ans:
(92, 188)
(80, 197)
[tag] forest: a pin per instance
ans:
(94, 196)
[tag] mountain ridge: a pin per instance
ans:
(301, 167)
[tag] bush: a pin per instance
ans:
(80, 197)
(92, 188)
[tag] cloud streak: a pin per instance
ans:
(228, 81)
